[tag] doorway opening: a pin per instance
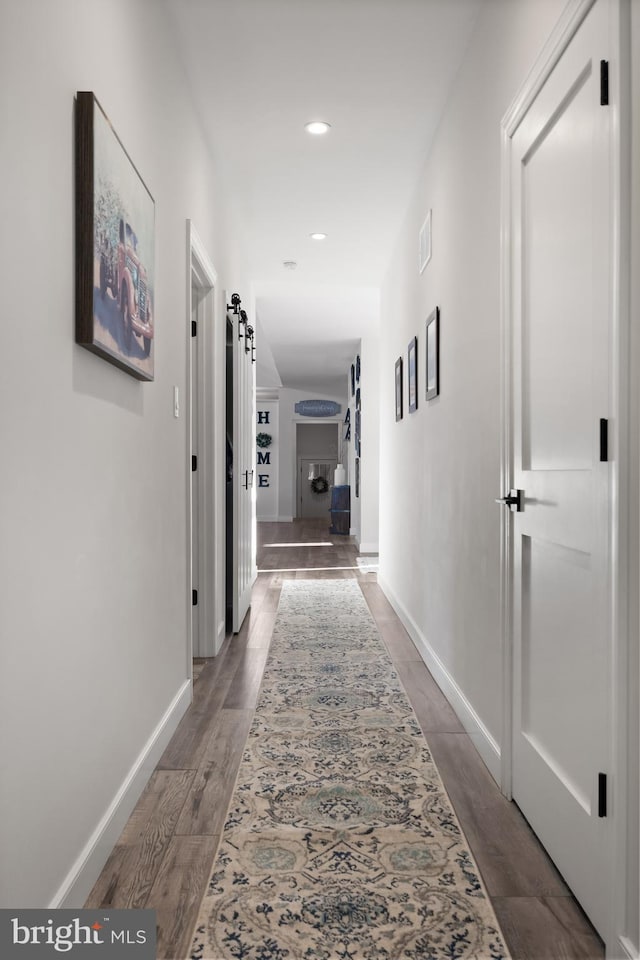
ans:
(204, 637)
(317, 455)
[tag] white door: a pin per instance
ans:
(244, 433)
(561, 335)
(312, 503)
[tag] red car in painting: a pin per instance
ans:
(122, 272)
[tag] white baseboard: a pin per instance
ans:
(368, 547)
(284, 519)
(77, 885)
(630, 952)
(271, 518)
(484, 743)
(220, 635)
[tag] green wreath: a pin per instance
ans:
(264, 439)
(319, 485)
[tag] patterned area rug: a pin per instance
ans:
(340, 842)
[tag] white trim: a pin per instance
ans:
(77, 885)
(220, 634)
(621, 425)
(562, 35)
(267, 393)
(201, 271)
(484, 743)
(284, 519)
(567, 26)
(630, 951)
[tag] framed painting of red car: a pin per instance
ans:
(115, 231)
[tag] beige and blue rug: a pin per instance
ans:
(340, 842)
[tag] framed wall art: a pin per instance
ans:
(424, 243)
(399, 388)
(432, 367)
(115, 246)
(412, 364)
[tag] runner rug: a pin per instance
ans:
(340, 842)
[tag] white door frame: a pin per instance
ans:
(619, 438)
(244, 465)
(202, 274)
(295, 495)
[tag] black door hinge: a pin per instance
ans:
(604, 83)
(194, 462)
(194, 328)
(194, 598)
(602, 794)
(604, 440)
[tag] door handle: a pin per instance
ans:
(246, 480)
(514, 500)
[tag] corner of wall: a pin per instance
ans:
(482, 739)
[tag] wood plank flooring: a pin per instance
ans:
(164, 856)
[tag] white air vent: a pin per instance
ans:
(424, 243)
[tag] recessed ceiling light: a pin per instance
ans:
(289, 264)
(318, 236)
(317, 127)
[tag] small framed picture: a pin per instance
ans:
(424, 243)
(433, 354)
(357, 476)
(399, 388)
(412, 363)
(353, 379)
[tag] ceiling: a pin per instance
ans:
(379, 71)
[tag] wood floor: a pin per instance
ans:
(165, 853)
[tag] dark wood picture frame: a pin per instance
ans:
(432, 366)
(115, 246)
(412, 378)
(357, 472)
(398, 382)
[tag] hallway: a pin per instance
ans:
(164, 856)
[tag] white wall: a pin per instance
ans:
(287, 441)
(440, 466)
(93, 534)
(367, 537)
(439, 475)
